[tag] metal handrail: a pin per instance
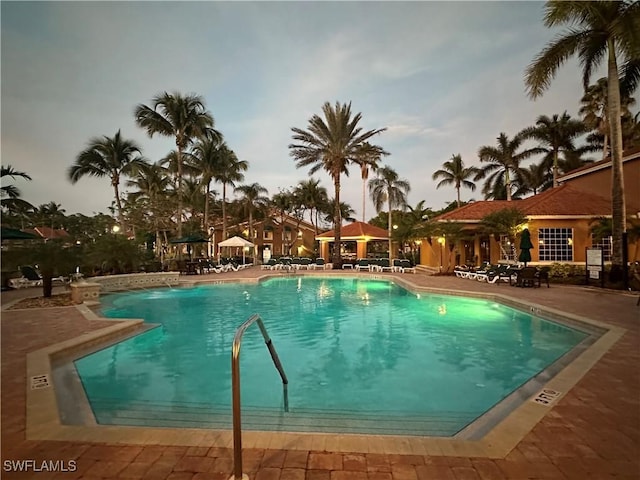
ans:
(235, 386)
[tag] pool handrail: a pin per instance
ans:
(235, 386)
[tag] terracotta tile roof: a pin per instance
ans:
(631, 154)
(357, 230)
(561, 201)
(47, 232)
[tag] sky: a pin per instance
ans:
(443, 78)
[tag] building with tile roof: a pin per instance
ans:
(559, 220)
(359, 232)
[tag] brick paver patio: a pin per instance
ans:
(593, 432)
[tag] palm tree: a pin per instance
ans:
(455, 173)
(331, 144)
(347, 213)
(229, 171)
(252, 199)
(11, 191)
(50, 213)
(388, 187)
(596, 30)
(503, 162)
(555, 134)
(534, 178)
(314, 197)
(108, 157)
(594, 111)
(182, 117)
(152, 182)
(369, 157)
(205, 159)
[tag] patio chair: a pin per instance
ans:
(527, 277)
(305, 264)
(270, 265)
(319, 263)
(397, 266)
(406, 266)
(347, 264)
(462, 271)
(543, 275)
(361, 264)
(384, 265)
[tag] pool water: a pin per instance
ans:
(361, 356)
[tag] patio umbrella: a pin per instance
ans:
(189, 239)
(13, 234)
(235, 242)
(525, 247)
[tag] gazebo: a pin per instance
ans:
(360, 232)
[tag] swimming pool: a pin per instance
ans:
(362, 356)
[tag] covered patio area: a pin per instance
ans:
(359, 232)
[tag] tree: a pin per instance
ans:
(388, 187)
(596, 30)
(368, 158)
(331, 144)
(508, 222)
(534, 178)
(253, 197)
(454, 173)
(182, 117)
(555, 134)
(228, 172)
(315, 198)
(206, 160)
(11, 191)
(108, 157)
(503, 162)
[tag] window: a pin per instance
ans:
(507, 249)
(606, 244)
(555, 244)
(267, 234)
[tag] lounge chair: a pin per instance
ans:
(362, 264)
(462, 271)
(347, 264)
(270, 265)
(397, 265)
(319, 263)
(305, 264)
(384, 265)
(406, 266)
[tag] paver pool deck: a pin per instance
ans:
(591, 432)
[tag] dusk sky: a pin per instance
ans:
(443, 78)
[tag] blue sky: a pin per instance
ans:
(443, 78)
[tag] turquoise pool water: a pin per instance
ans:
(361, 356)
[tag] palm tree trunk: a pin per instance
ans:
(389, 229)
(555, 168)
(364, 193)
(337, 240)
(115, 182)
(617, 184)
(224, 211)
(458, 195)
(205, 221)
(507, 184)
(179, 192)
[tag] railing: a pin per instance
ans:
(235, 387)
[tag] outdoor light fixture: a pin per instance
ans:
(115, 229)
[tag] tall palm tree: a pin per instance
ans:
(555, 134)
(108, 157)
(503, 163)
(253, 197)
(454, 173)
(332, 143)
(50, 214)
(205, 160)
(151, 181)
(229, 172)
(369, 157)
(314, 197)
(595, 31)
(182, 117)
(390, 188)
(347, 213)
